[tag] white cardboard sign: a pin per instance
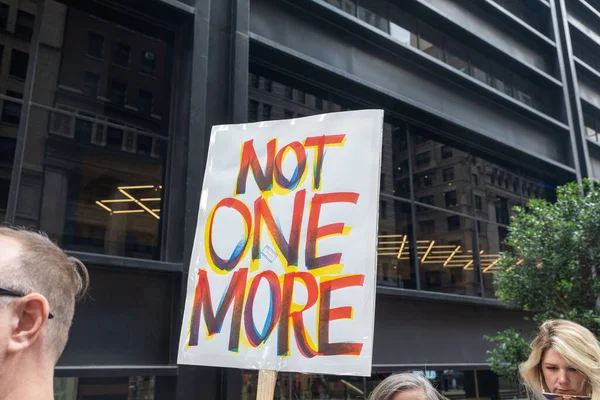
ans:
(282, 274)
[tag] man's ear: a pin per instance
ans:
(30, 314)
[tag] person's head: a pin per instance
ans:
(405, 386)
(564, 359)
(39, 285)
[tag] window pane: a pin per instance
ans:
(457, 55)
(24, 25)
(99, 154)
(441, 171)
(395, 262)
(403, 26)
(431, 41)
(480, 67)
(18, 64)
(445, 250)
(374, 13)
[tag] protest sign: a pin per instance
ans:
(282, 273)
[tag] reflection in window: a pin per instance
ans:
(11, 111)
(18, 64)
(91, 82)
(450, 198)
(4, 9)
(24, 25)
(431, 41)
(148, 63)
(100, 167)
(146, 102)
(253, 110)
(448, 174)
(118, 93)
(267, 112)
(95, 45)
(121, 57)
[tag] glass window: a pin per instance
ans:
(423, 158)
(289, 92)
(590, 126)
(403, 26)
(448, 174)
(301, 97)
(319, 103)
(18, 64)
(446, 152)
(253, 110)
(457, 55)
(446, 266)
(24, 25)
(431, 41)
(480, 67)
(450, 198)
(267, 112)
(11, 111)
(254, 81)
(475, 180)
(502, 79)
(148, 63)
(91, 82)
(98, 145)
(95, 45)
(268, 85)
(118, 93)
(374, 13)
(4, 9)
(478, 203)
(146, 102)
(395, 266)
(121, 56)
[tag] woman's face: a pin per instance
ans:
(561, 377)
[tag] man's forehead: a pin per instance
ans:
(9, 250)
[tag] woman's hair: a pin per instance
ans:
(398, 383)
(575, 343)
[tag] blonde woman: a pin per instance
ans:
(405, 386)
(564, 362)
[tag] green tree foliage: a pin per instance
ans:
(551, 268)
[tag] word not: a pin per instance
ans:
(280, 311)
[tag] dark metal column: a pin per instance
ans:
(568, 74)
(219, 95)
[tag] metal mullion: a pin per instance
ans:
(15, 180)
(413, 210)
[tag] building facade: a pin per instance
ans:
(105, 112)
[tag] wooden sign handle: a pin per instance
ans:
(266, 384)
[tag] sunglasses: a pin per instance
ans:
(12, 293)
(556, 396)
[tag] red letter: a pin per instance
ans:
(281, 180)
(283, 339)
(253, 336)
(319, 142)
(290, 249)
(238, 252)
(314, 232)
(327, 314)
(214, 323)
(249, 159)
